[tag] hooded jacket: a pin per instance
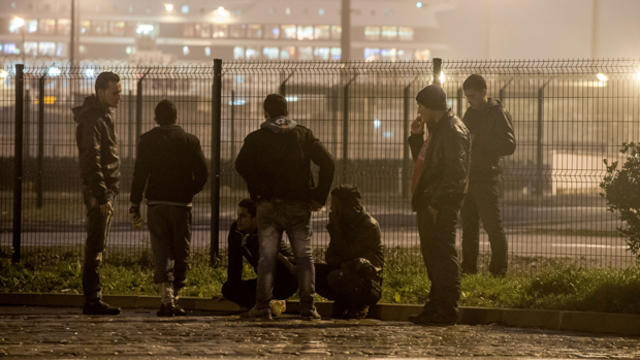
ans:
(171, 164)
(492, 137)
(445, 175)
(275, 162)
(98, 149)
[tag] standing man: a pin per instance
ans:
(440, 176)
(275, 162)
(492, 137)
(100, 172)
(171, 164)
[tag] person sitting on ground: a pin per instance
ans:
(242, 243)
(352, 275)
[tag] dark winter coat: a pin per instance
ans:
(275, 162)
(98, 149)
(359, 237)
(171, 164)
(492, 137)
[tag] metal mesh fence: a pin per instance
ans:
(568, 116)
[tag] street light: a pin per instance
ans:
(15, 24)
(168, 7)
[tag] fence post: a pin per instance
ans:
(40, 141)
(17, 183)
(283, 85)
(26, 130)
(139, 94)
(131, 138)
(216, 104)
(437, 70)
(503, 90)
(233, 124)
(539, 153)
(345, 131)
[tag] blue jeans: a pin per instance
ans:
(97, 232)
(275, 217)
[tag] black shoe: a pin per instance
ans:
(435, 317)
(99, 307)
(310, 314)
(167, 310)
(255, 314)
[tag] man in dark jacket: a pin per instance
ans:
(492, 137)
(441, 170)
(275, 163)
(242, 243)
(100, 172)
(352, 276)
(171, 164)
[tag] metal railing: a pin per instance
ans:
(568, 116)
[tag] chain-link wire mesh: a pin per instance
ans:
(568, 116)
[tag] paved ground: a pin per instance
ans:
(62, 333)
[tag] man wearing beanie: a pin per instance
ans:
(440, 176)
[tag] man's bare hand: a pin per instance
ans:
(417, 125)
(134, 217)
(106, 209)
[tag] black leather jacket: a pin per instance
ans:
(446, 170)
(98, 148)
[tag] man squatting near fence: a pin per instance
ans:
(441, 168)
(171, 164)
(100, 173)
(242, 243)
(275, 163)
(352, 275)
(492, 137)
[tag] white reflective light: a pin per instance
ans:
(376, 123)
(441, 78)
(291, 98)
(89, 73)
(222, 12)
(602, 77)
(419, 4)
(3, 74)
(168, 7)
(54, 71)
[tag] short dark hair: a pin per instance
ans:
(346, 192)
(275, 105)
(475, 82)
(248, 204)
(104, 78)
(166, 113)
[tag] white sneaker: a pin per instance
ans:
(278, 307)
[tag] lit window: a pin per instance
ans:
(272, 31)
(388, 54)
(220, 31)
(185, 50)
(83, 49)
(388, 134)
(203, 30)
(99, 27)
(376, 123)
(336, 32)
(389, 32)
(64, 26)
(47, 26)
(32, 26)
(405, 33)
(371, 54)
(207, 51)
(287, 11)
(405, 55)
(270, 53)
(321, 11)
(130, 50)
(323, 32)
(11, 49)
(305, 32)
(372, 32)
(237, 30)
(252, 53)
(289, 31)
(116, 28)
(288, 53)
(336, 53)
(47, 48)
(321, 53)
(185, 9)
(84, 27)
(238, 52)
(254, 31)
(31, 48)
(422, 54)
(305, 53)
(144, 29)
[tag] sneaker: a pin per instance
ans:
(257, 314)
(278, 307)
(99, 307)
(435, 317)
(311, 314)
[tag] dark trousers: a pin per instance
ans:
(243, 292)
(437, 244)
(481, 203)
(170, 228)
(97, 232)
(347, 287)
